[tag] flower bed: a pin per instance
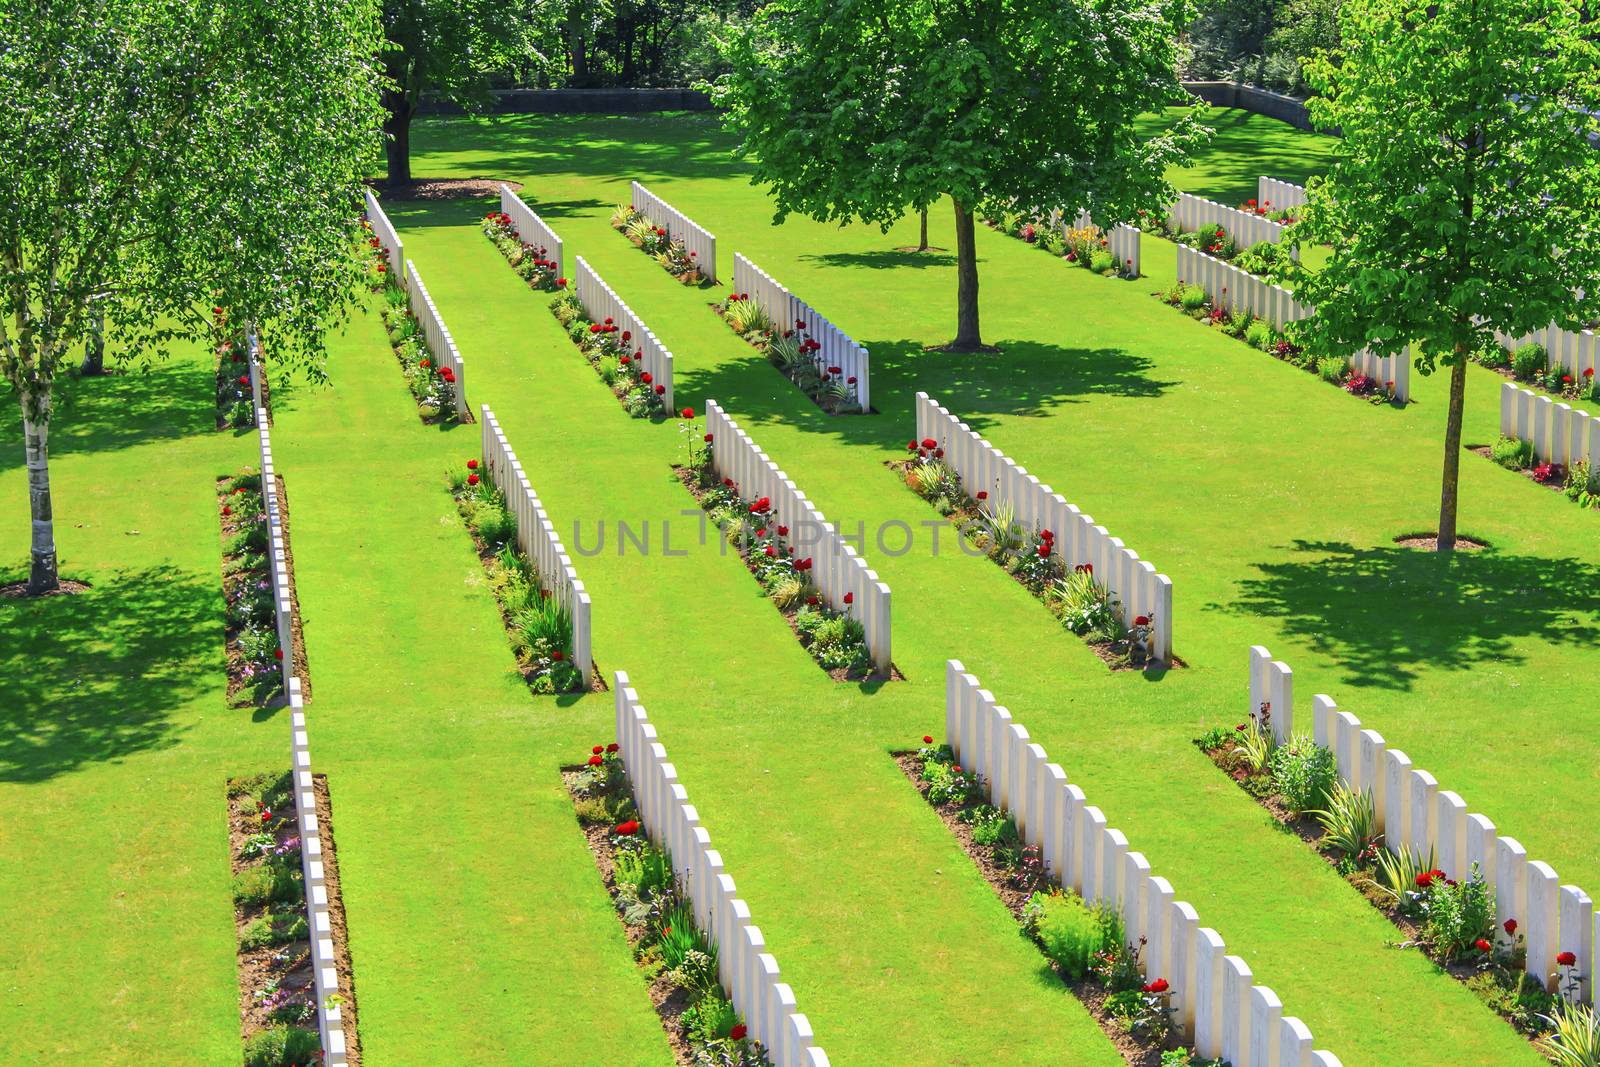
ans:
(1088, 247)
(1078, 599)
(236, 409)
(792, 352)
(539, 627)
(673, 953)
(1260, 334)
(433, 386)
(1451, 922)
(277, 999)
(1265, 210)
(610, 351)
(531, 264)
(1083, 944)
(1530, 365)
(654, 241)
(254, 654)
(1577, 483)
(835, 639)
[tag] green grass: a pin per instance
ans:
(479, 927)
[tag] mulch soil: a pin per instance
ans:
(443, 188)
(336, 920)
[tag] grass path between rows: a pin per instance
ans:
(1204, 456)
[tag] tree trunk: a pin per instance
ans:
(1452, 451)
(94, 349)
(968, 337)
(397, 135)
(42, 577)
(577, 47)
(922, 245)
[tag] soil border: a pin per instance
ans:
(336, 921)
(1560, 487)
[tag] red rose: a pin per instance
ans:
(738, 1032)
(811, 600)
(627, 829)
(277, 654)
(646, 378)
(928, 442)
(558, 656)
(849, 598)
(472, 464)
(783, 531)
(661, 390)
(595, 761)
(226, 510)
(911, 446)
(1142, 620)
(244, 379)
(1481, 945)
(835, 370)
(1511, 927)
(472, 479)
(1158, 986)
(706, 439)
(608, 322)
(687, 413)
(1425, 879)
(627, 335)
(851, 380)
(982, 495)
(1044, 551)
(927, 739)
(598, 749)
(613, 747)
(594, 327)
(771, 551)
(561, 283)
(938, 453)
(1567, 959)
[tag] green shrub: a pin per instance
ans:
(1214, 738)
(1070, 931)
(1102, 261)
(273, 928)
(1513, 993)
(1529, 361)
(1259, 334)
(281, 1046)
(990, 826)
(1331, 369)
(1457, 916)
(647, 870)
(1582, 487)
(1192, 297)
(678, 936)
(267, 883)
(1575, 1041)
(1303, 773)
(711, 1018)
(495, 524)
(1512, 454)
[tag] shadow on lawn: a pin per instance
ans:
(116, 411)
(884, 259)
(96, 676)
(1385, 613)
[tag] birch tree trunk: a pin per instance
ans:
(42, 576)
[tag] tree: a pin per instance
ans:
(863, 109)
(160, 159)
(1462, 197)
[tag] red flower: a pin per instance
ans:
(803, 564)
(608, 321)
(835, 370)
(1158, 986)
(851, 380)
(849, 598)
(425, 364)
(1044, 551)
(706, 439)
(613, 747)
(738, 1032)
(277, 654)
(244, 379)
(598, 749)
(1566, 379)
(938, 453)
(1588, 372)
(771, 551)
(266, 816)
(956, 769)
(646, 378)
(687, 413)
(627, 335)
(928, 442)
(594, 327)
(595, 761)
(982, 495)
(1567, 959)
(811, 600)
(927, 739)
(472, 464)
(783, 531)
(226, 510)
(472, 479)
(627, 829)
(1511, 927)
(911, 446)
(626, 360)
(1481, 945)
(561, 283)
(1142, 620)
(661, 390)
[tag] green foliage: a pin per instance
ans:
(711, 1018)
(1259, 334)
(1192, 297)
(948, 786)
(747, 315)
(647, 871)
(1332, 368)
(1304, 774)
(271, 882)
(1575, 1040)
(1457, 915)
(1512, 454)
(1215, 738)
(1102, 261)
(677, 935)
(1513, 993)
(1349, 823)
(1583, 487)
(273, 928)
(697, 973)
(1398, 871)
(282, 1046)
(1529, 361)
(1071, 932)
(1267, 259)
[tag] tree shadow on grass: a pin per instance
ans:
(97, 676)
(120, 410)
(885, 259)
(1383, 614)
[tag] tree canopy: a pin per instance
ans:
(154, 164)
(864, 109)
(1462, 196)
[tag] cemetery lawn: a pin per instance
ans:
(479, 927)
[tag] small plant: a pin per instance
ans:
(1350, 825)
(1583, 488)
(1069, 931)
(282, 1046)
(1332, 369)
(1192, 298)
(1215, 739)
(1529, 361)
(1574, 1040)
(1304, 774)
(1512, 454)
(1259, 334)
